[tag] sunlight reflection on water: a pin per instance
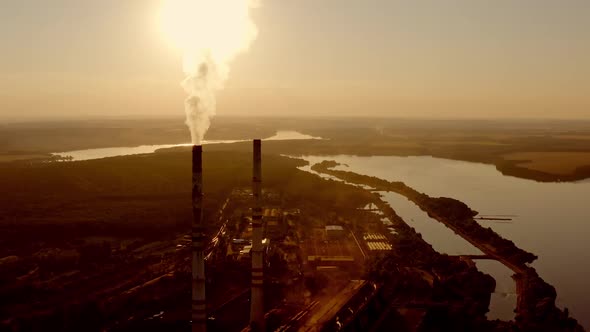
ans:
(88, 154)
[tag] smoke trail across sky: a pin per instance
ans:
(210, 33)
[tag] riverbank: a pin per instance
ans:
(536, 309)
(529, 149)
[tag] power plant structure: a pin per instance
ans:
(273, 223)
(199, 305)
(257, 295)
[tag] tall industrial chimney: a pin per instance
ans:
(199, 310)
(257, 297)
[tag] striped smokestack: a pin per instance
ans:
(198, 312)
(257, 297)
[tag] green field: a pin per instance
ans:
(562, 163)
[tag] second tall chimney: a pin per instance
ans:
(257, 296)
(199, 306)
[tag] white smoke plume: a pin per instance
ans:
(210, 34)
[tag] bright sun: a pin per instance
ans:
(219, 28)
(209, 33)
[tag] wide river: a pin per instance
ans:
(550, 220)
(88, 154)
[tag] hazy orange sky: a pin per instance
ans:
(462, 58)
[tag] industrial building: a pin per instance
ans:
(334, 232)
(271, 242)
(376, 242)
(274, 223)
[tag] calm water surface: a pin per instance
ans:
(444, 240)
(88, 154)
(551, 219)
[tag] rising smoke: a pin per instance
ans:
(210, 34)
(200, 103)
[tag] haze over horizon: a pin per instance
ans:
(294, 165)
(526, 59)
